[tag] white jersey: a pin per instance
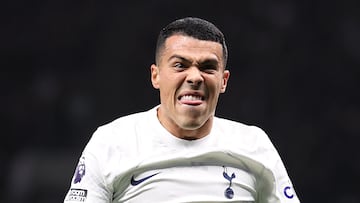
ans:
(135, 159)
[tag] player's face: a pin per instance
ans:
(190, 76)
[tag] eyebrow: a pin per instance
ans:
(179, 57)
(203, 62)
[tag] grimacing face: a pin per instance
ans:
(190, 76)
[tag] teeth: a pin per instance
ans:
(191, 97)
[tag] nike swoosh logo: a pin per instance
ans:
(134, 182)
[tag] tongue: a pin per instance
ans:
(191, 102)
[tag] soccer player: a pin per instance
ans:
(179, 151)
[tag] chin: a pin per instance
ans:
(193, 125)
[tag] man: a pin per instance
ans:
(179, 151)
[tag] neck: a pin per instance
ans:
(193, 134)
(185, 132)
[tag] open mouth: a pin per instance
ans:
(191, 99)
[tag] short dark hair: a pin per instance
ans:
(193, 27)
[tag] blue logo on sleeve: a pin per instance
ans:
(288, 192)
(80, 170)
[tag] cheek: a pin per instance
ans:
(215, 85)
(171, 83)
(168, 88)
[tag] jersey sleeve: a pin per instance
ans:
(88, 183)
(281, 189)
(283, 185)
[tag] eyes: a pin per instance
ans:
(179, 65)
(206, 67)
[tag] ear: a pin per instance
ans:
(225, 79)
(155, 76)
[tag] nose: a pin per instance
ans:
(194, 76)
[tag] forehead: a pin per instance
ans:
(185, 45)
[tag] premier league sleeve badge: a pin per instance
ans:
(80, 170)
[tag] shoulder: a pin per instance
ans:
(127, 123)
(235, 128)
(121, 131)
(124, 122)
(241, 135)
(248, 140)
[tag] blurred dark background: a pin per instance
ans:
(69, 66)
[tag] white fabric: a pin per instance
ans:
(233, 156)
